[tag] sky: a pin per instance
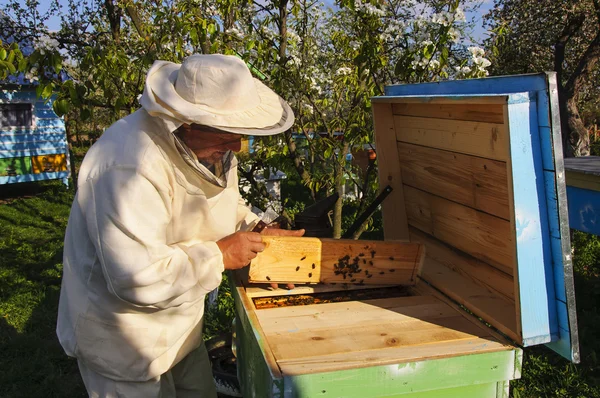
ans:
(479, 33)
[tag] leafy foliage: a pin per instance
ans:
(562, 36)
(327, 62)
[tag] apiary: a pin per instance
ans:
(478, 185)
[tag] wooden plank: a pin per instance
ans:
(265, 290)
(390, 355)
(587, 181)
(511, 204)
(491, 307)
(481, 139)
(466, 266)
(531, 226)
(483, 236)
(302, 259)
(395, 225)
(260, 364)
(426, 289)
(350, 327)
(366, 337)
(490, 113)
(469, 180)
(584, 165)
(433, 99)
(331, 315)
(417, 379)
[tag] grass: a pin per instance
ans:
(33, 219)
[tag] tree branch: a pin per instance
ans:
(572, 26)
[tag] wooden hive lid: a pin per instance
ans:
(477, 175)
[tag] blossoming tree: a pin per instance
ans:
(326, 61)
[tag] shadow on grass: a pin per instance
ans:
(546, 374)
(33, 363)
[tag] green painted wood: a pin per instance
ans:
(410, 378)
(489, 390)
(255, 377)
(503, 389)
(15, 166)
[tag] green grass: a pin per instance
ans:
(33, 219)
(31, 243)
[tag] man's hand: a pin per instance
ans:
(240, 248)
(269, 231)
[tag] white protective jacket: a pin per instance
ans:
(140, 252)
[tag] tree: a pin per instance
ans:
(336, 60)
(564, 36)
(327, 63)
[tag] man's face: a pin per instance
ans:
(209, 145)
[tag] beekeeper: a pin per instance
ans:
(156, 219)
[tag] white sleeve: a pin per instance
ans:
(127, 213)
(246, 220)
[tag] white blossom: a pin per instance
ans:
(454, 35)
(233, 31)
(343, 71)
(476, 51)
(459, 15)
(368, 8)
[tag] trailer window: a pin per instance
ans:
(16, 115)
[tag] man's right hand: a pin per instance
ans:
(240, 248)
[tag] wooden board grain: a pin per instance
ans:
(370, 332)
(479, 234)
(466, 266)
(472, 181)
(487, 140)
(492, 307)
(395, 225)
(314, 260)
(490, 113)
(265, 290)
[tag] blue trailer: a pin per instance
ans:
(33, 139)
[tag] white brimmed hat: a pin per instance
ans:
(217, 91)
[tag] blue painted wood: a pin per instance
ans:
(33, 152)
(547, 151)
(17, 96)
(584, 209)
(45, 113)
(30, 146)
(33, 131)
(536, 286)
(554, 235)
(63, 175)
(7, 139)
(562, 345)
(485, 86)
(50, 123)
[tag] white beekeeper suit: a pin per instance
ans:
(140, 248)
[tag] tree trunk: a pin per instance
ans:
(69, 135)
(338, 172)
(576, 135)
(114, 14)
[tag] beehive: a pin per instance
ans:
(478, 178)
